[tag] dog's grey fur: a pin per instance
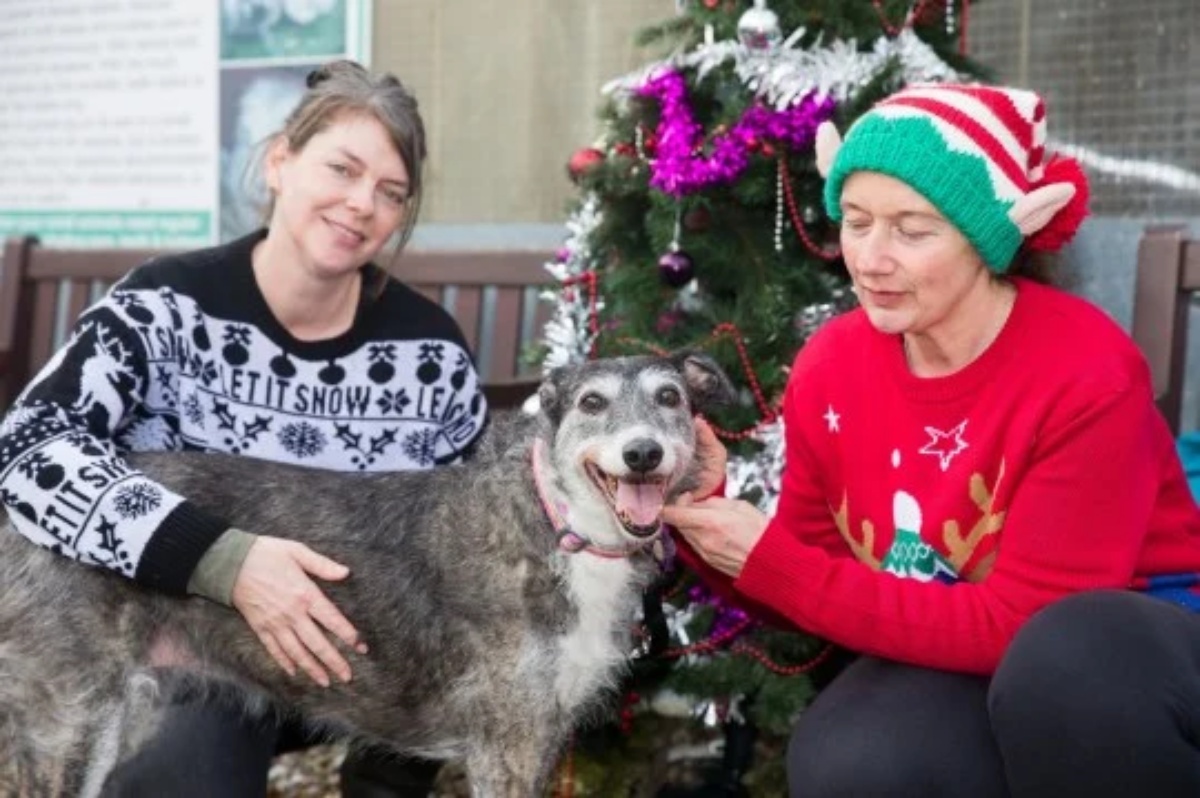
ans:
(487, 641)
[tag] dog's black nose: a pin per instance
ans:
(643, 455)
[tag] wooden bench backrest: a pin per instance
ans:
(1168, 273)
(493, 295)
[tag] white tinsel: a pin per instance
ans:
(811, 318)
(761, 473)
(567, 334)
(784, 75)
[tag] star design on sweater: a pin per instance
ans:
(945, 445)
(833, 420)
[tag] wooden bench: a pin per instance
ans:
(493, 295)
(1168, 274)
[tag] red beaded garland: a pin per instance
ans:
(824, 253)
(913, 13)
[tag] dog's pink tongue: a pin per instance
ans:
(640, 502)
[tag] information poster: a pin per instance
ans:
(137, 123)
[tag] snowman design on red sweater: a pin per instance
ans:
(915, 552)
(910, 556)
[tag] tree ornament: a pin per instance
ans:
(758, 28)
(583, 161)
(676, 268)
(626, 149)
(650, 145)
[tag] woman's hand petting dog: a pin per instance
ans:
(712, 457)
(277, 596)
(722, 531)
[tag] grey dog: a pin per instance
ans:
(497, 597)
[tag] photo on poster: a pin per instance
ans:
(255, 101)
(253, 29)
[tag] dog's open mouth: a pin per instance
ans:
(637, 500)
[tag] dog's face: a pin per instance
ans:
(621, 432)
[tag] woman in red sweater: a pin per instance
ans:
(979, 496)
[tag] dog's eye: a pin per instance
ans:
(592, 403)
(669, 397)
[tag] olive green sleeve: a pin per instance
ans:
(218, 568)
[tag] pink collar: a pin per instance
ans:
(569, 540)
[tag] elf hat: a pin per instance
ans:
(976, 153)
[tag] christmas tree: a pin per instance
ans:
(699, 224)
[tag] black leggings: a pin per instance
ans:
(1098, 695)
(205, 750)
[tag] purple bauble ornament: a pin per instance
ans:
(676, 268)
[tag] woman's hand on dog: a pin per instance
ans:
(722, 531)
(277, 596)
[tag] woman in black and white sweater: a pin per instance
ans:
(288, 345)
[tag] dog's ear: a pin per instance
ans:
(550, 395)
(708, 385)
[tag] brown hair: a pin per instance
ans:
(346, 87)
(1041, 267)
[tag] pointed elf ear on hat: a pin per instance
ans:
(829, 141)
(1033, 211)
(1050, 215)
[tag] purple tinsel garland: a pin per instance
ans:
(726, 617)
(678, 169)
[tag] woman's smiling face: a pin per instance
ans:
(341, 196)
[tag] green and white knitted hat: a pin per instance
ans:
(977, 153)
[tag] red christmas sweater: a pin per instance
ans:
(924, 520)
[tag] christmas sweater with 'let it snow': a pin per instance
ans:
(184, 354)
(924, 520)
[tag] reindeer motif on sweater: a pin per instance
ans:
(911, 555)
(106, 379)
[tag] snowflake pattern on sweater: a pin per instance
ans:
(183, 354)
